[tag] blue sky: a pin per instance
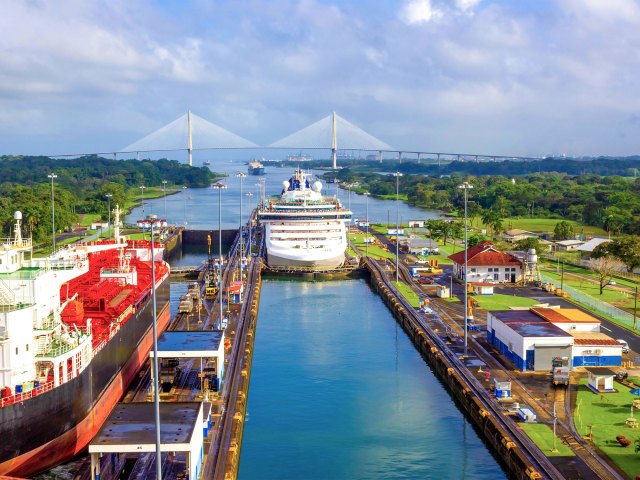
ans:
(518, 77)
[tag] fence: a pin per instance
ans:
(599, 306)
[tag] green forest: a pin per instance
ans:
(81, 186)
(609, 202)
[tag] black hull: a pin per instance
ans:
(26, 426)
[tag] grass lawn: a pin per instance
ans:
(541, 225)
(542, 436)
(498, 301)
(87, 219)
(610, 295)
(407, 293)
(606, 413)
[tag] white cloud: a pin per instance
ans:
(418, 11)
(466, 6)
(113, 70)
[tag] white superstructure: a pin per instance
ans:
(302, 227)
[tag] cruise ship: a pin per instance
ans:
(303, 228)
(75, 328)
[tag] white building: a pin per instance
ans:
(531, 338)
(485, 263)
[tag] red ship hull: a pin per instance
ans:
(75, 439)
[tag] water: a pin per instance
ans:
(199, 206)
(343, 394)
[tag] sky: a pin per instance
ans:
(501, 77)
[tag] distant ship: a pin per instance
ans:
(256, 168)
(303, 228)
(299, 158)
(206, 163)
(75, 328)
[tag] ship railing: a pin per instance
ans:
(47, 324)
(10, 242)
(20, 397)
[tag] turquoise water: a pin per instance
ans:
(339, 392)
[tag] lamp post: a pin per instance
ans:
(152, 219)
(465, 186)
(241, 177)
(109, 195)
(184, 197)
(397, 175)
(53, 176)
(142, 187)
(220, 187)
(366, 236)
(164, 194)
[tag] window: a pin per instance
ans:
(472, 270)
(16, 350)
(27, 347)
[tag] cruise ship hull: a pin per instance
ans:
(275, 260)
(52, 427)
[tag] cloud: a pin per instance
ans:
(468, 74)
(466, 6)
(418, 11)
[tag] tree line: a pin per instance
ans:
(81, 187)
(609, 202)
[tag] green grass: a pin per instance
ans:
(610, 295)
(407, 293)
(87, 219)
(498, 301)
(546, 225)
(606, 414)
(542, 436)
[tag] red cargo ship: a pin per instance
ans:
(75, 328)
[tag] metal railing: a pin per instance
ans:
(599, 306)
(19, 397)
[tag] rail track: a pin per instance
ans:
(527, 447)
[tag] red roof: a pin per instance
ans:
(484, 254)
(596, 341)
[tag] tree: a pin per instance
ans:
(627, 249)
(529, 243)
(563, 230)
(605, 268)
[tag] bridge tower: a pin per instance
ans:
(334, 142)
(189, 139)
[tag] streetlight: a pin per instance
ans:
(156, 394)
(397, 175)
(220, 187)
(52, 176)
(142, 187)
(366, 237)
(241, 177)
(465, 186)
(109, 195)
(164, 194)
(184, 197)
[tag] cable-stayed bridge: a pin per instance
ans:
(191, 133)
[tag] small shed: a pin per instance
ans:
(416, 223)
(600, 379)
(236, 290)
(482, 288)
(502, 389)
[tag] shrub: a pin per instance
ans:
(623, 441)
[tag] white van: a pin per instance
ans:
(624, 345)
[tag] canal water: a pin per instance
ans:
(338, 391)
(198, 207)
